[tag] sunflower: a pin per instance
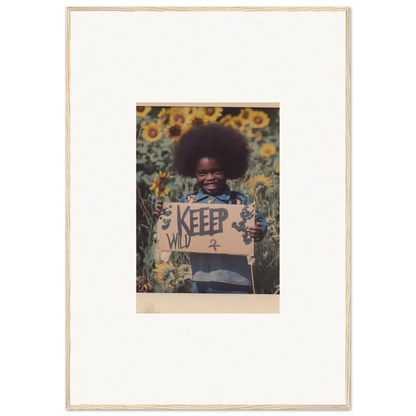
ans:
(179, 115)
(245, 114)
(258, 119)
(236, 123)
(142, 111)
(190, 110)
(259, 135)
(142, 284)
(163, 271)
(164, 116)
(226, 118)
(174, 131)
(152, 132)
(259, 184)
(157, 184)
(196, 119)
(267, 150)
(250, 133)
(211, 113)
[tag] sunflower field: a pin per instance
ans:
(158, 129)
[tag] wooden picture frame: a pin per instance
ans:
(101, 321)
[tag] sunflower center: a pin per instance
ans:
(197, 122)
(175, 130)
(179, 118)
(238, 123)
(152, 133)
(140, 109)
(258, 120)
(245, 114)
(210, 111)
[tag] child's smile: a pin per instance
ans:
(210, 176)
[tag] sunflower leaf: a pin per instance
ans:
(159, 288)
(275, 163)
(164, 144)
(146, 179)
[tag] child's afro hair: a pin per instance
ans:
(212, 140)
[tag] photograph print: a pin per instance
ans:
(207, 199)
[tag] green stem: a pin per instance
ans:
(149, 219)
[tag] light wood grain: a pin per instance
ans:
(207, 9)
(208, 406)
(68, 205)
(70, 10)
(347, 212)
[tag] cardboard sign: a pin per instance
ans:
(206, 228)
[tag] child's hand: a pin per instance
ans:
(255, 232)
(158, 211)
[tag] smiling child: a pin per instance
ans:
(213, 154)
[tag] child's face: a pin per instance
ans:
(210, 176)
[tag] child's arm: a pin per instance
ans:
(259, 231)
(255, 232)
(158, 211)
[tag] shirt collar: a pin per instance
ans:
(224, 196)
